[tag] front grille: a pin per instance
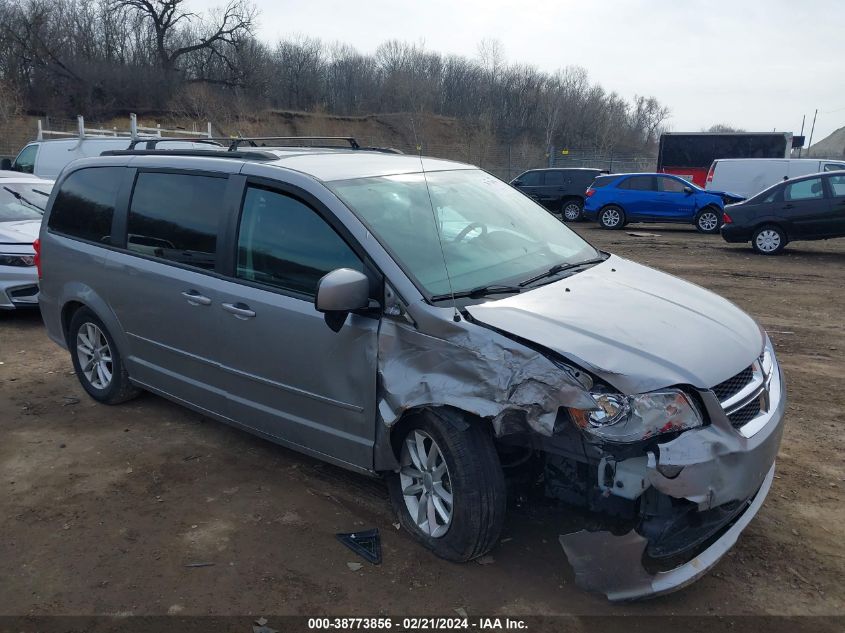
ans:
(733, 385)
(747, 413)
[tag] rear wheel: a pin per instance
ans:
(612, 217)
(768, 240)
(571, 210)
(708, 220)
(97, 361)
(450, 489)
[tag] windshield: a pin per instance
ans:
(492, 234)
(23, 202)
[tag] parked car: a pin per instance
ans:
(561, 190)
(22, 203)
(617, 200)
(749, 176)
(47, 158)
(431, 327)
(808, 208)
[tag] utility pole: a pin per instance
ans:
(803, 119)
(812, 129)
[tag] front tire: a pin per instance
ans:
(708, 220)
(612, 217)
(570, 210)
(769, 240)
(450, 490)
(97, 361)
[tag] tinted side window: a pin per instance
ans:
(284, 243)
(85, 203)
(804, 190)
(837, 186)
(175, 217)
(638, 183)
(25, 162)
(602, 181)
(557, 178)
(530, 178)
(834, 167)
(670, 185)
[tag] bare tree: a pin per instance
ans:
(178, 32)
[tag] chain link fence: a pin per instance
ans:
(596, 159)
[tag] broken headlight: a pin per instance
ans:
(625, 419)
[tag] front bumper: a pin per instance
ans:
(719, 466)
(18, 287)
(613, 564)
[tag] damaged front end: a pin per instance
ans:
(690, 496)
(670, 477)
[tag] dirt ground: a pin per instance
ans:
(103, 509)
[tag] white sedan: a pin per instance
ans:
(22, 202)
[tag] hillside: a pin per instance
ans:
(832, 146)
(434, 135)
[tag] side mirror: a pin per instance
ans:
(516, 183)
(340, 292)
(687, 190)
(6, 164)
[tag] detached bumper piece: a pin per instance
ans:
(614, 565)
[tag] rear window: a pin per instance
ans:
(175, 217)
(530, 179)
(84, 206)
(602, 181)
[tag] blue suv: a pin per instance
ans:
(616, 200)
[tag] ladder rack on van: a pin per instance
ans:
(136, 132)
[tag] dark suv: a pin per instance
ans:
(559, 190)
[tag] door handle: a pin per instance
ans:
(196, 299)
(789, 206)
(240, 310)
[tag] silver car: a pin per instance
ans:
(421, 320)
(22, 202)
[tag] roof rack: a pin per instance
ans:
(136, 132)
(253, 140)
(205, 153)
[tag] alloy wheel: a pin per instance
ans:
(768, 240)
(94, 354)
(572, 211)
(426, 485)
(610, 218)
(708, 221)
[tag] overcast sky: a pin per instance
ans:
(755, 64)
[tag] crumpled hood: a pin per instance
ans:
(20, 232)
(635, 327)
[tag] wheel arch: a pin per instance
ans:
(77, 296)
(388, 440)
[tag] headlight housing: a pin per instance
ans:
(627, 419)
(17, 260)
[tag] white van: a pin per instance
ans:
(749, 176)
(47, 158)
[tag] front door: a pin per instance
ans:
(290, 376)
(807, 208)
(836, 185)
(673, 204)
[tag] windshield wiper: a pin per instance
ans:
(559, 268)
(24, 200)
(478, 292)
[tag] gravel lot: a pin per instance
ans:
(102, 509)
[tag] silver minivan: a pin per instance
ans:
(422, 320)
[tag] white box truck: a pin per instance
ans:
(749, 176)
